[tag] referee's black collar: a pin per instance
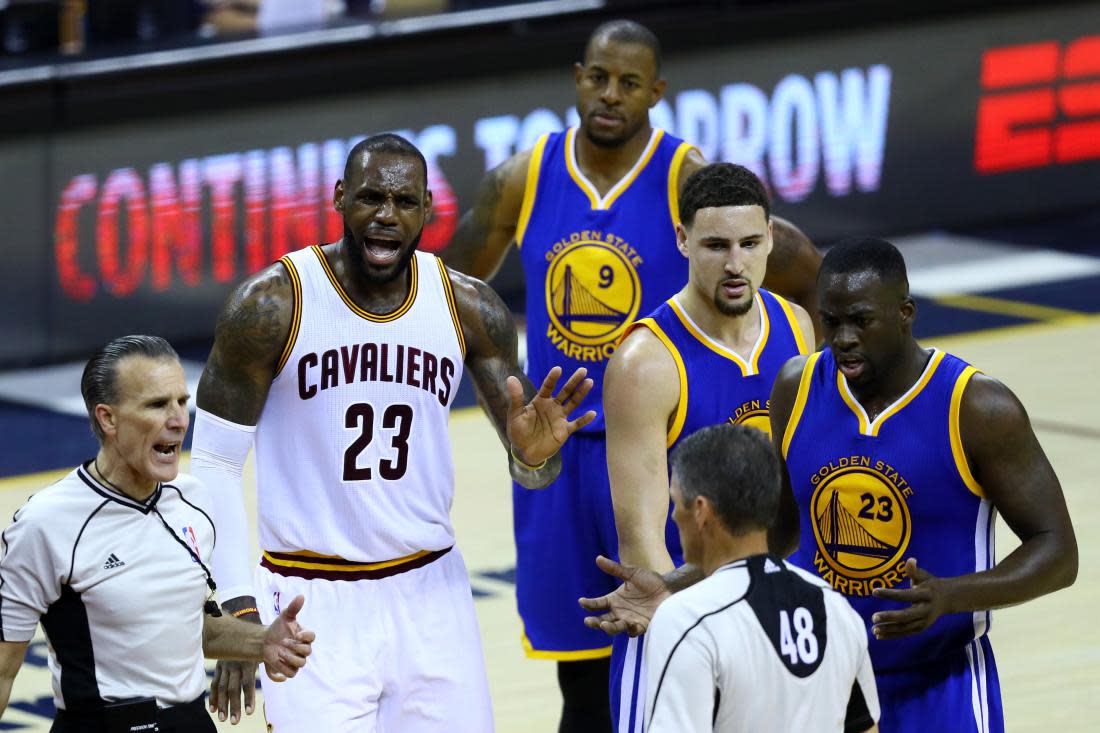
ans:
(107, 492)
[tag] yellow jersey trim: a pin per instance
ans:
(749, 368)
(799, 401)
(296, 313)
(530, 187)
(315, 561)
(681, 372)
(579, 655)
(374, 317)
(795, 328)
(956, 434)
(594, 199)
(448, 290)
(872, 427)
(674, 180)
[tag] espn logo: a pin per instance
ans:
(1040, 105)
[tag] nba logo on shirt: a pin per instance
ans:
(188, 533)
(275, 596)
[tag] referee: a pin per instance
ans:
(112, 559)
(757, 645)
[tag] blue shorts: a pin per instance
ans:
(961, 694)
(559, 532)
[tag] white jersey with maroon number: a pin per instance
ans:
(353, 458)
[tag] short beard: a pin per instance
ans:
(604, 142)
(358, 259)
(733, 309)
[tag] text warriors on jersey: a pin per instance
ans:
(861, 521)
(592, 293)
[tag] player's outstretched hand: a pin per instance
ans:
(926, 595)
(232, 681)
(538, 429)
(286, 643)
(629, 607)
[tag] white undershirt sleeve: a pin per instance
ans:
(680, 677)
(218, 453)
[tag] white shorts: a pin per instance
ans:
(400, 654)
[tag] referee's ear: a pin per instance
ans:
(105, 416)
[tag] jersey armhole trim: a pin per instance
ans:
(296, 314)
(681, 372)
(800, 401)
(530, 188)
(955, 432)
(674, 180)
(795, 328)
(448, 290)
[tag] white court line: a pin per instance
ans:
(1020, 269)
(57, 387)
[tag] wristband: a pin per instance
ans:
(524, 465)
(241, 612)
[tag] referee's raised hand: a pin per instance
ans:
(286, 643)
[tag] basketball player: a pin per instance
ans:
(343, 361)
(758, 645)
(593, 211)
(708, 355)
(899, 458)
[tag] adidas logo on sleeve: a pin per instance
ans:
(113, 562)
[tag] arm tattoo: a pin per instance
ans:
(473, 249)
(249, 337)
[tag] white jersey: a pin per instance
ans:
(758, 646)
(353, 457)
(120, 600)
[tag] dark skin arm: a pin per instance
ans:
(783, 535)
(532, 425)
(249, 338)
(1011, 467)
(485, 233)
(793, 262)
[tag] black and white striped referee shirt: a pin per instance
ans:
(120, 600)
(758, 646)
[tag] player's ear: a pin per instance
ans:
(658, 92)
(338, 197)
(908, 312)
(578, 72)
(771, 234)
(681, 239)
(427, 205)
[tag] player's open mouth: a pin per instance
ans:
(735, 288)
(851, 367)
(167, 450)
(381, 251)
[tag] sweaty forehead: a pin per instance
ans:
(621, 57)
(847, 290)
(389, 171)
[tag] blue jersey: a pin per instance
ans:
(593, 263)
(716, 384)
(872, 493)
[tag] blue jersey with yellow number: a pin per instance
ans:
(872, 493)
(717, 385)
(593, 263)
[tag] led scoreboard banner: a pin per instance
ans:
(127, 226)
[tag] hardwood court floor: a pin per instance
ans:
(1048, 651)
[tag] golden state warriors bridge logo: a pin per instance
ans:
(861, 522)
(592, 293)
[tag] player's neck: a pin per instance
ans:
(606, 166)
(722, 548)
(111, 470)
(737, 333)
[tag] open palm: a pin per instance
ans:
(537, 429)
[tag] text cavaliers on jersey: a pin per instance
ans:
(372, 362)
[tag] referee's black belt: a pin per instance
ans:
(188, 717)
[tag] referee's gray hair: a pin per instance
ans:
(736, 469)
(99, 382)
